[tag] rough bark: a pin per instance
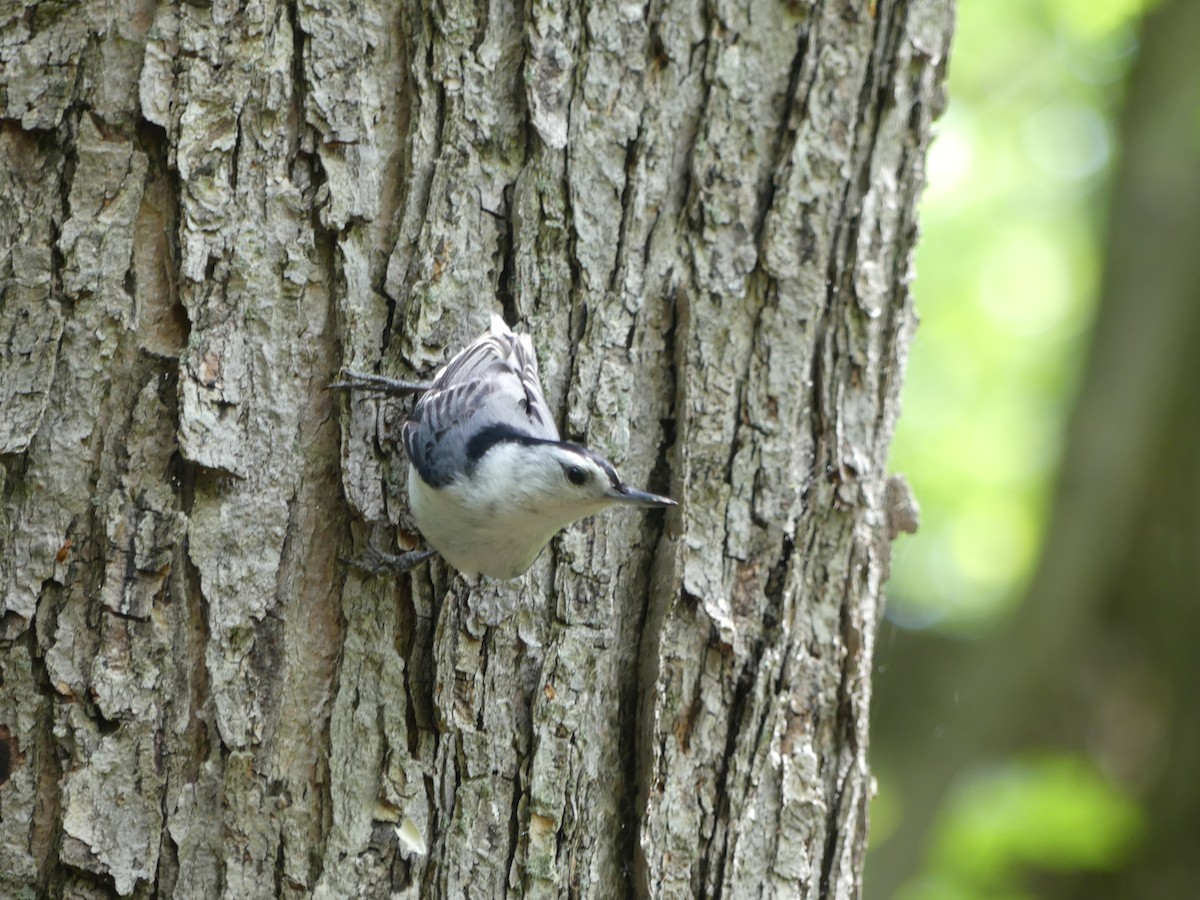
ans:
(704, 213)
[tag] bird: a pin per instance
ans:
(490, 480)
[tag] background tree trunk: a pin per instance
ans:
(1098, 658)
(705, 216)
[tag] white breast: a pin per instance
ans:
(483, 533)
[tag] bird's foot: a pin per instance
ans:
(379, 384)
(374, 561)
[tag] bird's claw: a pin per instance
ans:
(380, 384)
(374, 561)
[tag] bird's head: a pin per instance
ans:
(562, 481)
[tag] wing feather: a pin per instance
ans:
(490, 387)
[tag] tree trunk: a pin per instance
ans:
(705, 217)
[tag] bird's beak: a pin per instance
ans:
(623, 493)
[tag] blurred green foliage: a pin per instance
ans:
(1007, 271)
(1052, 814)
(1007, 278)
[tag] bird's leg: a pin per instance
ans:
(380, 384)
(375, 561)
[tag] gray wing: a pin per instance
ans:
(487, 393)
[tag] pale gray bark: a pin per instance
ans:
(704, 214)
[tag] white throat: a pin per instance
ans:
(497, 521)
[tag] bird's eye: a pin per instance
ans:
(577, 475)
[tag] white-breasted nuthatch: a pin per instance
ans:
(489, 479)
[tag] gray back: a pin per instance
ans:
(487, 393)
